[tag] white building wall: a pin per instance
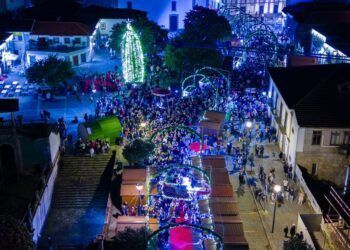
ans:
(105, 25)
(41, 55)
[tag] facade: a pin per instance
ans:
(312, 118)
(169, 13)
(321, 30)
(259, 7)
(70, 41)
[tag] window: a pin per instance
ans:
(285, 119)
(261, 9)
(314, 169)
(83, 58)
(19, 37)
(56, 40)
(243, 9)
(77, 40)
(335, 138)
(275, 9)
(102, 25)
(66, 40)
(173, 6)
(346, 138)
(316, 137)
(281, 108)
(129, 5)
(173, 22)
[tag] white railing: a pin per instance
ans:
(45, 202)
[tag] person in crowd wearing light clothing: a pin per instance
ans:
(301, 198)
(92, 152)
(285, 185)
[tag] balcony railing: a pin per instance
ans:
(54, 48)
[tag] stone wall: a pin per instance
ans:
(331, 166)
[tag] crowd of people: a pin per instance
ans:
(91, 147)
(107, 82)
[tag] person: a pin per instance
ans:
(291, 194)
(285, 230)
(301, 198)
(301, 236)
(285, 185)
(292, 230)
(92, 152)
(241, 179)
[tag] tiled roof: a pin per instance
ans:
(61, 29)
(317, 93)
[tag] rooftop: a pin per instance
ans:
(319, 94)
(331, 20)
(61, 29)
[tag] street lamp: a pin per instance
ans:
(248, 124)
(276, 189)
(139, 188)
(143, 124)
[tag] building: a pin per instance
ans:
(310, 109)
(14, 36)
(70, 41)
(11, 5)
(321, 29)
(169, 13)
(258, 7)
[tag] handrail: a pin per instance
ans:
(337, 197)
(342, 239)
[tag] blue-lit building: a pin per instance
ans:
(167, 13)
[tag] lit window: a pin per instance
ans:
(335, 138)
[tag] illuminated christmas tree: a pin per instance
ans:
(132, 57)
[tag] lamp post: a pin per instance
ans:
(139, 188)
(276, 189)
(248, 124)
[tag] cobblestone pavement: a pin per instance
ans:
(257, 217)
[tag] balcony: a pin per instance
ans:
(51, 47)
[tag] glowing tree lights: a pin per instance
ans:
(132, 57)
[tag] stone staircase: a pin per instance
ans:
(82, 182)
(79, 201)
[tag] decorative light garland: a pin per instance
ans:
(132, 57)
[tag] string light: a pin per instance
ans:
(132, 56)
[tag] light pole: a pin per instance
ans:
(139, 188)
(276, 189)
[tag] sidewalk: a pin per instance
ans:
(257, 220)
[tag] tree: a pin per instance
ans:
(153, 37)
(137, 150)
(51, 70)
(14, 235)
(296, 244)
(131, 239)
(203, 25)
(197, 45)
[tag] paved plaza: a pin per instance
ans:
(257, 216)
